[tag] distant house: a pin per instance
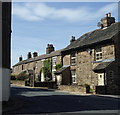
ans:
(94, 58)
(39, 64)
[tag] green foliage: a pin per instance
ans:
(13, 77)
(47, 69)
(91, 90)
(22, 76)
(58, 66)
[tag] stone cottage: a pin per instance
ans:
(94, 58)
(34, 64)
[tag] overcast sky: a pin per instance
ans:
(34, 25)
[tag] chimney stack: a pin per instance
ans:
(29, 55)
(35, 54)
(49, 48)
(109, 14)
(20, 58)
(106, 21)
(72, 39)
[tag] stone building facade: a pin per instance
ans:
(35, 63)
(93, 58)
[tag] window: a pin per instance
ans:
(73, 58)
(110, 74)
(73, 73)
(22, 67)
(98, 54)
(36, 64)
(54, 61)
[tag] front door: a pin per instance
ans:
(59, 79)
(101, 79)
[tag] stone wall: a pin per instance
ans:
(66, 60)
(58, 60)
(72, 88)
(108, 52)
(17, 82)
(84, 68)
(85, 63)
(37, 65)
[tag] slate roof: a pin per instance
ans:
(61, 69)
(95, 36)
(44, 56)
(102, 66)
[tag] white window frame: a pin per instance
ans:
(54, 61)
(73, 58)
(74, 80)
(98, 54)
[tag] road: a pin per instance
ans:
(43, 101)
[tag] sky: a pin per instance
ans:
(34, 25)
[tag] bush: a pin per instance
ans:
(13, 77)
(22, 76)
(58, 66)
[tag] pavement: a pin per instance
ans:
(55, 102)
(70, 92)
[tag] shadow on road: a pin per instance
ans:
(36, 101)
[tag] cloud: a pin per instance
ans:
(42, 11)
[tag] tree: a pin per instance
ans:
(47, 69)
(58, 66)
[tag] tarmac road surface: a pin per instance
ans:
(45, 102)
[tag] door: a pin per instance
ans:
(101, 79)
(59, 79)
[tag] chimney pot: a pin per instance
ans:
(106, 21)
(72, 39)
(20, 58)
(35, 54)
(109, 14)
(106, 15)
(29, 55)
(49, 48)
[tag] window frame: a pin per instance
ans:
(73, 58)
(54, 60)
(22, 67)
(74, 78)
(98, 54)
